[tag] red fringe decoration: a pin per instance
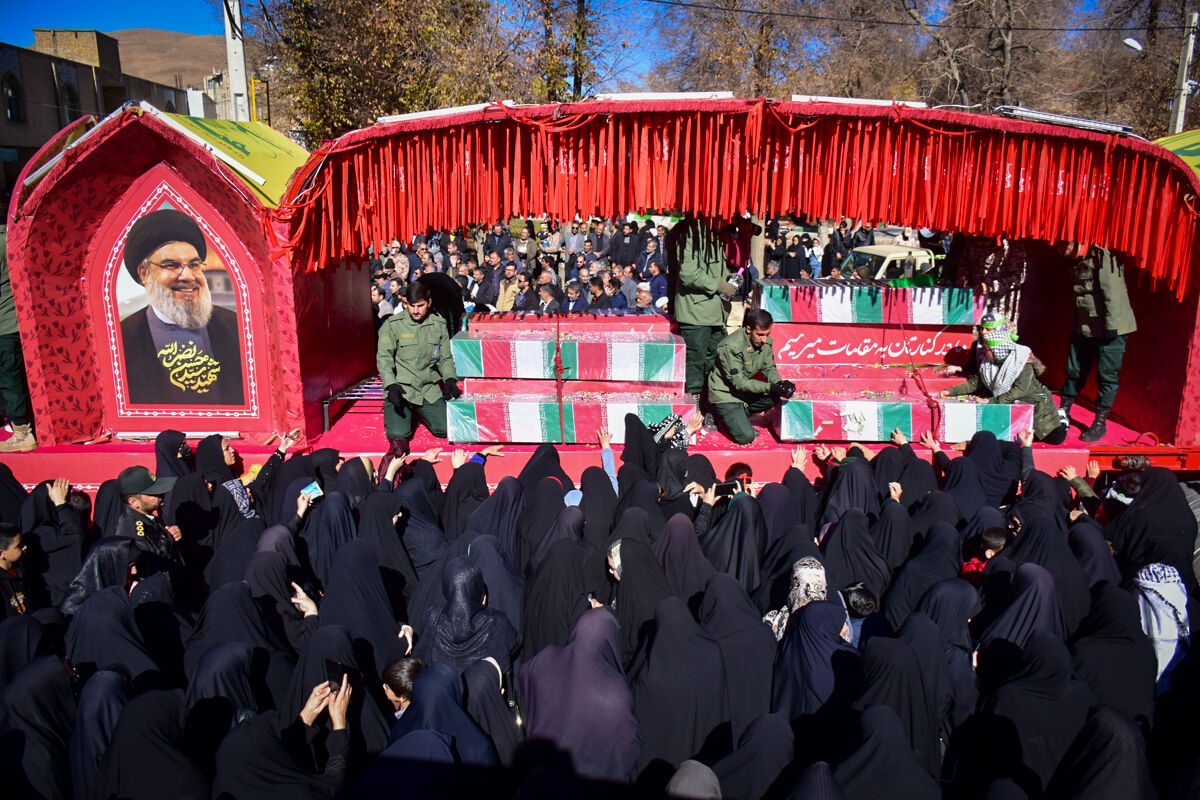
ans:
(983, 175)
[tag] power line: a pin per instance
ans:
(909, 23)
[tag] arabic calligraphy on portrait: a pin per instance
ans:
(188, 367)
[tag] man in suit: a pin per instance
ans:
(180, 349)
(548, 304)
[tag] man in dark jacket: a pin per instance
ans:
(497, 241)
(599, 298)
(142, 495)
(1103, 321)
(626, 247)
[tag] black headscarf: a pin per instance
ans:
(354, 481)
(812, 655)
(22, 639)
(1107, 761)
(375, 525)
(887, 467)
(884, 764)
(917, 480)
(747, 649)
(106, 564)
(232, 541)
(253, 762)
(106, 510)
(567, 527)
(267, 575)
(189, 505)
(936, 507)
(850, 555)
(816, 782)
(231, 615)
(1111, 654)
(167, 463)
(329, 645)
(54, 541)
(280, 503)
(985, 517)
(503, 515)
(489, 709)
(555, 599)
(40, 711)
(356, 599)
(894, 678)
(103, 633)
(504, 587)
(852, 487)
(804, 498)
(679, 686)
(100, 704)
(923, 636)
(939, 559)
(419, 532)
(894, 533)
(700, 470)
(762, 753)
(576, 697)
(735, 544)
(950, 604)
(12, 494)
(641, 588)
(146, 757)
(643, 495)
(639, 452)
(325, 466)
(1044, 542)
(330, 525)
(544, 464)
(599, 504)
(683, 561)
(423, 762)
(1086, 539)
(210, 460)
(463, 630)
(999, 466)
(1035, 692)
(465, 492)
(1158, 527)
(963, 484)
(436, 706)
(1033, 606)
(220, 694)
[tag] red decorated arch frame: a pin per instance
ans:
(978, 174)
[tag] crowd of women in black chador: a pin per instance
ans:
(898, 630)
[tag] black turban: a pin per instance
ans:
(156, 229)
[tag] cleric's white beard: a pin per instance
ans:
(191, 316)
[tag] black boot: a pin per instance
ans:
(1098, 429)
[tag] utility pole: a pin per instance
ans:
(1183, 86)
(239, 96)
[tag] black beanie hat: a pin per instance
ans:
(156, 229)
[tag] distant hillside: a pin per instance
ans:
(164, 56)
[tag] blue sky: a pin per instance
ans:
(20, 17)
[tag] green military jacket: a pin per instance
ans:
(1025, 389)
(736, 365)
(415, 355)
(700, 261)
(1102, 306)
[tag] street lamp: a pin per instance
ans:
(1183, 86)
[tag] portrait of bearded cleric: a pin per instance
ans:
(181, 348)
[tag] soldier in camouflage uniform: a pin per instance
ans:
(417, 368)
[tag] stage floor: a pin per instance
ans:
(360, 433)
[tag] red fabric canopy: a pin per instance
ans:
(950, 170)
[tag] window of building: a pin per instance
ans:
(14, 100)
(70, 102)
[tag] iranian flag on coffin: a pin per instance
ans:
(847, 303)
(646, 357)
(844, 420)
(874, 420)
(961, 420)
(536, 419)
